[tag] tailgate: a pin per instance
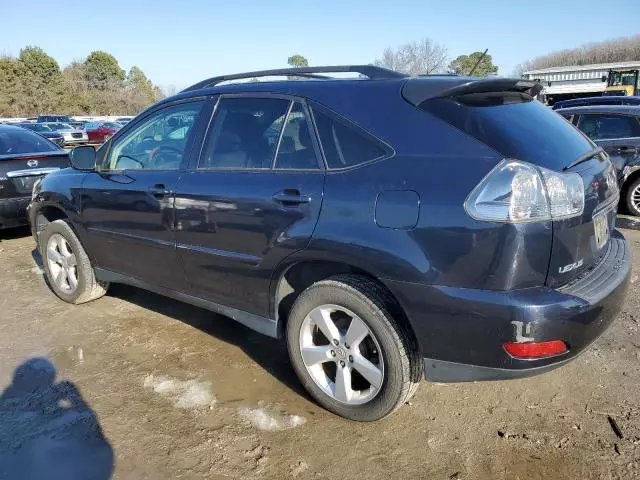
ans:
(18, 173)
(580, 242)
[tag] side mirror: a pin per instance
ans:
(83, 158)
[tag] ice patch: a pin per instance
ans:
(264, 420)
(186, 394)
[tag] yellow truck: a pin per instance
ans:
(623, 82)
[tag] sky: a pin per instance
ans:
(177, 43)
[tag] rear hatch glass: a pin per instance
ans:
(521, 128)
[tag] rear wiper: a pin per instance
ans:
(585, 157)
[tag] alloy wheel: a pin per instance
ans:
(341, 354)
(62, 263)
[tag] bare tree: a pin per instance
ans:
(415, 58)
(609, 51)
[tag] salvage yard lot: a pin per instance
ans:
(182, 393)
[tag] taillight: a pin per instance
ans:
(519, 192)
(532, 350)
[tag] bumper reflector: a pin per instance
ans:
(535, 349)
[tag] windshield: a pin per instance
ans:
(619, 79)
(16, 141)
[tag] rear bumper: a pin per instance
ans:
(461, 332)
(13, 212)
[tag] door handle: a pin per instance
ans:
(159, 190)
(291, 197)
(627, 150)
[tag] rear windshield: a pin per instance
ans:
(514, 125)
(19, 140)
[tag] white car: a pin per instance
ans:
(72, 136)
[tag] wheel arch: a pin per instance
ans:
(292, 279)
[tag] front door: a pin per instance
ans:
(252, 199)
(128, 206)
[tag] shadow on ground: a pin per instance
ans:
(271, 354)
(13, 233)
(628, 222)
(47, 430)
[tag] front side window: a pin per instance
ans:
(343, 144)
(607, 127)
(245, 133)
(158, 142)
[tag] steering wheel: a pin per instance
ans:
(163, 155)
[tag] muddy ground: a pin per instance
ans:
(136, 386)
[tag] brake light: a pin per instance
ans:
(519, 192)
(531, 350)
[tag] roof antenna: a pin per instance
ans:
(478, 62)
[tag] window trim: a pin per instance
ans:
(193, 166)
(139, 119)
(389, 150)
(608, 114)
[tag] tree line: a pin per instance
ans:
(624, 49)
(33, 83)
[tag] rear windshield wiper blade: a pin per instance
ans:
(584, 158)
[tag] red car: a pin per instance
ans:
(100, 132)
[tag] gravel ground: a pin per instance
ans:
(136, 386)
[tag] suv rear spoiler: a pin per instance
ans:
(418, 90)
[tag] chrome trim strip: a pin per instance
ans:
(31, 172)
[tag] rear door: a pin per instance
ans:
(618, 135)
(252, 198)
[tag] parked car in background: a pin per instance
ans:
(79, 124)
(54, 118)
(72, 136)
(471, 238)
(25, 157)
(124, 120)
(99, 132)
(45, 131)
(602, 100)
(617, 130)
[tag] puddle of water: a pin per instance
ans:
(263, 419)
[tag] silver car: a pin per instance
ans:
(72, 136)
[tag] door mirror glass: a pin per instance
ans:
(83, 158)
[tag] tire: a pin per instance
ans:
(387, 346)
(54, 252)
(633, 207)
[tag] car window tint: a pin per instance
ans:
(296, 147)
(244, 133)
(20, 140)
(344, 144)
(603, 127)
(154, 143)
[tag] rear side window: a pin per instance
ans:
(296, 147)
(514, 125)
(607, 127)
(244, 133)
(344, 144)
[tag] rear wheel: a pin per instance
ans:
(67, 266)
(348, 351)
(632, 197)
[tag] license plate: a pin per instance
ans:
(601, 228)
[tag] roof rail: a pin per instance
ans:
(371, 71)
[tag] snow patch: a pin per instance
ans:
(37, 270)
(265, 420)
(186, 394)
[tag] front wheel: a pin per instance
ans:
(348, 351)
(68, 268)
(632, 198)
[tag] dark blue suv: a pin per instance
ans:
(385, 226)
